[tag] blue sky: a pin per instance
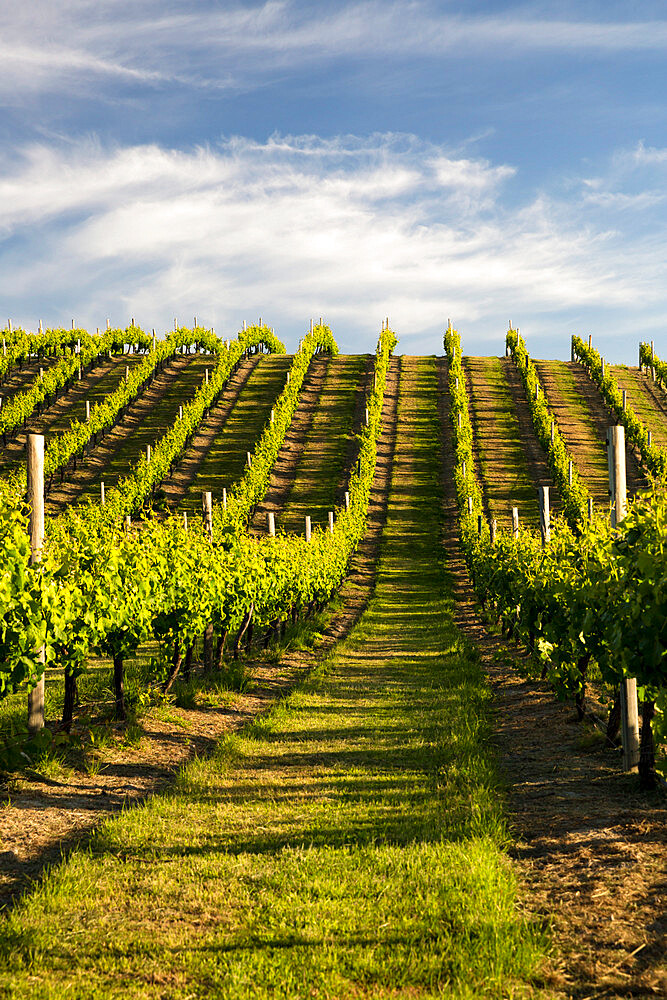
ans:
(481, 161)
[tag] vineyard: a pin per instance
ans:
(321, 674)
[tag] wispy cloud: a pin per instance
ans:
(49, 46)
(352, 229)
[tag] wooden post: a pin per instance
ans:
(470, 506)
(80, 372)
(331, 522)
(35, 477)
(185, 519)
(515, 522)
(480, 524)
(590, 340)
(493, 529)
(625, 399)
(248, 458)
(273, 415)
(367, 417)
(590, 510)
(537, 390)
(570, 472)
(102, 496)
(271, 523)
(206, 376)
(464, 468)
(127, 372)
(128, 522)
(545, 524)
(618, 457)
(572, 357)
(180, 413)
(652, 353)
(148, 453)
(308, 531)
(224, 498)
(629, 723)
(610, 469)
(207, 512)
(108, 324)
(347, 501)
(650, 438)
(87, 411)
(459, 420)
(602, 361)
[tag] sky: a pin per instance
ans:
(481, 162)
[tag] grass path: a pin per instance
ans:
(649, 402)
(346, 845)
(226, 458)
(505, 472)
(316, 487)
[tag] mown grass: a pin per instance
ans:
(226, 458)
(154, 424)
(642, 402)
(581, 437)
(315, 486)
(349, 844)
(506, 477)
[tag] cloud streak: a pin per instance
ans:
(150, 43)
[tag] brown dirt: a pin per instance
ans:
(282, 473)
(61, 495)
(176, 487)
(40, 820)
(590, 849)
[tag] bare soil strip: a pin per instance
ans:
(591, 849)
(285, 465)
(583, 420)
(176, 487)
(89, 472)
(40, 820)
(508, 478)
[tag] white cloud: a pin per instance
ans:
(347, 228)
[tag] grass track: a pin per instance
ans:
(316, 484)
(643, 402)
(225, 460)
(347, 845)
(505, 473)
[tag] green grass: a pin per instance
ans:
(350, 844)
(582, 438)
(225, 460)
(315, 487)
(93, 387)
(506, 477)
(642, 402)
(154, 424)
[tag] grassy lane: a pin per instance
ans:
(316, 487)
(155, 423)
(347, 845)
(225, 460)
(504, 470)
(582, 420)
(648, 402)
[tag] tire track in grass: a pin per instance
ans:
(346, 845)
(217, 454)
(583, 420)
(315, 488)
(648, 401)
(503, 466)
